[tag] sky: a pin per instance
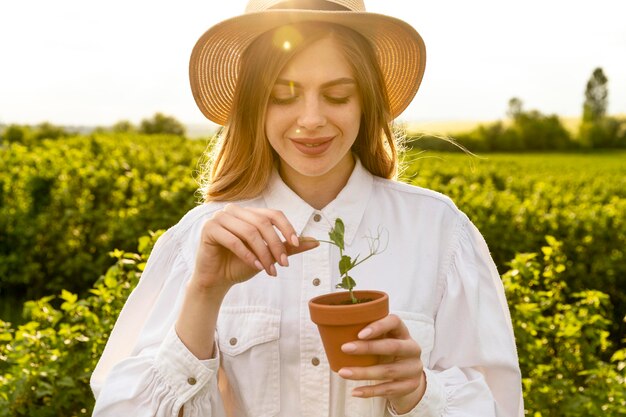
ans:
(88, 62)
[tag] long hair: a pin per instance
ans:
(243, 159)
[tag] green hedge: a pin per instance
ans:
(516, 200)
(45, 363)
(562, 337)
(65, 203)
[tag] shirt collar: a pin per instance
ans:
(349, 204)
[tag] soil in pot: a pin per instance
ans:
(339, 322)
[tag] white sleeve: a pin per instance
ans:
(145, 369)
(474, 369)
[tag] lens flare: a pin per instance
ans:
(286, 38)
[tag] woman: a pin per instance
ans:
(218, 324)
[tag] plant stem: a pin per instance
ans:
(352, 297)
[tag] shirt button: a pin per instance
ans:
(317, 217)
(316, 282)
(233, 341)
(315, 361)
(191, 381)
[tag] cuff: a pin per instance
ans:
(432, 403)
(185, 373)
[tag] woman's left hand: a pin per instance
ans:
(401, 371)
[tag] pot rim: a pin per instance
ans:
(343, 314)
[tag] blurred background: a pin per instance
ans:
(92, 63)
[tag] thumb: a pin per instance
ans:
(306, 243)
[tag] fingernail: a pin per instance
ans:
(273, 270)
(357, 393)
(365, 333)
(295, 240)
(346, 373)
(348, 347)
(283, 260)
(258, 265)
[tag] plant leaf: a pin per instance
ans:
(348, 283)
(345, 264)
(336, 233)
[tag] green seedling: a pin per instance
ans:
(346, 263)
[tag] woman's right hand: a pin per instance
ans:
(237, 242)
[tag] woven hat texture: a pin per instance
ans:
(214, 62)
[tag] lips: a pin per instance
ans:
(313, 146)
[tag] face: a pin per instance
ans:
(314, 113)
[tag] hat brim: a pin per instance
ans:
(214, 63)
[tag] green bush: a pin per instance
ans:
(46, 363)
(162, 124)
(608, 132)
(561, 338)
(65, 203)
(516, 200)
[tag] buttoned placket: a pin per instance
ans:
(314, 377)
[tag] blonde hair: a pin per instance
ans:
(242, 160)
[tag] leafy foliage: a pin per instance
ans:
(516, 200)
(534, 131)
(162, 124)
(46, 363)
(561, 338)
(65, 203)
(31, 135)
(596, 96)
(346, 263)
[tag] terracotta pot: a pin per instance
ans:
(341, 323)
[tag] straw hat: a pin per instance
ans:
(216, 56)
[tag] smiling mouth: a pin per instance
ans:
(313, 142)
(313, 146)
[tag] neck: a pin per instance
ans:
(320, 190)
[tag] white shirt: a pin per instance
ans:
(436, 269)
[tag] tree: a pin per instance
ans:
(596, 97)
(47, 130)
(16, 134)
(515, 108)
(161, 123)
(597, 130)
(540, 132)
(123, 126)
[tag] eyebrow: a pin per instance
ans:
(338, 81)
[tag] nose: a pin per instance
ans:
(311, 115)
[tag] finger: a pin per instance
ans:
(264, 221)
(251, 236)
(387, 346)
(401, 369)
(228, 240)
(388, 389)
(306, 243)
(390, 325)
(281, 222)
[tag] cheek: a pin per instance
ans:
(276, 122)
(351, 121)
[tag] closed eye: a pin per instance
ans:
(283, 100)
(337, 100)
